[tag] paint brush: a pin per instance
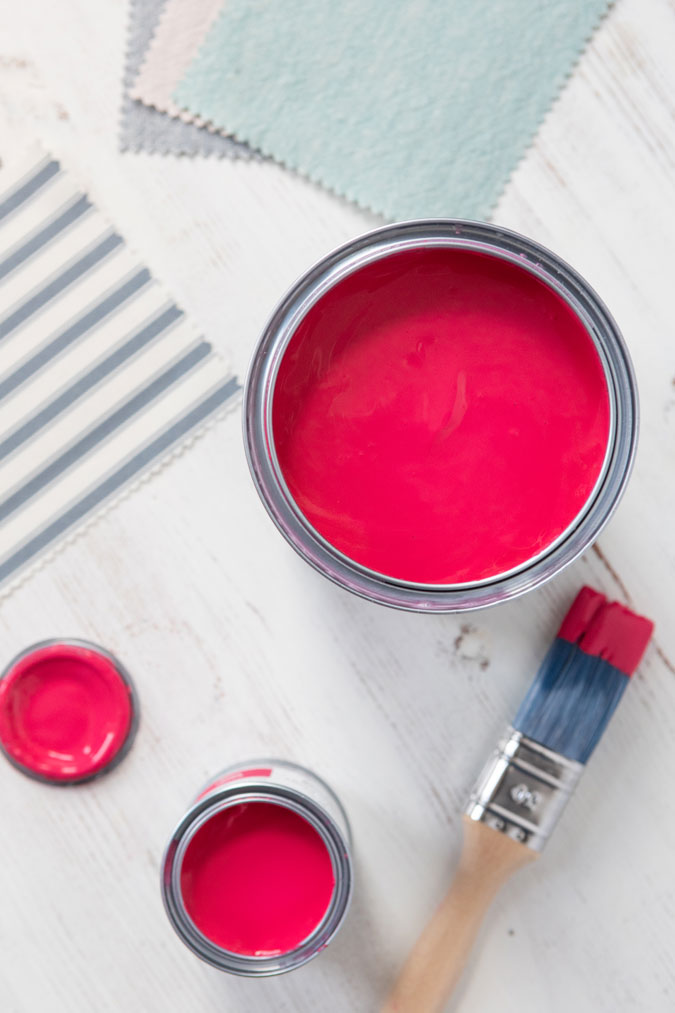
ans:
(526, 784)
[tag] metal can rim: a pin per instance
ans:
(337, 844)
(458, 233)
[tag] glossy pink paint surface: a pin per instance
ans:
(441, 416)
(257, 879)
(65, 712)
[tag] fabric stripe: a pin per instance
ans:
(86, 231)
(57, 314)
(116, 482)
(122, 444)
(102, 370)
(85, 383)
(75, 331)
(93, 405)
(62, 281)
(101, 374)
(89, 441)
(56, 195)
(83, 355)
(28, 188)
(32, 245)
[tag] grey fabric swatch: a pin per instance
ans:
(146, 129)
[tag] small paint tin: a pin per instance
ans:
(565, 297)
(68, 711)
(257, 876)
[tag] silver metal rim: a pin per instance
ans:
(338, 849)
(550, 269)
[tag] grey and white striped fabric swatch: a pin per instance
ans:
(102, 376)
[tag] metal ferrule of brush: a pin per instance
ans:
(523, 789)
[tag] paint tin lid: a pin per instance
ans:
(68, 711)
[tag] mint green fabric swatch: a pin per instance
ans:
(413, 108)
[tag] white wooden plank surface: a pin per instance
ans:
(239, 649)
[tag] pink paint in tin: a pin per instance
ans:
(257, 877)
(440, 415)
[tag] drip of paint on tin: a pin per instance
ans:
(257, 879)
(441, 416)
(236, 775)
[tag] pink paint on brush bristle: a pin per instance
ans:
(581, 611)
(607, 629)
(618, 635)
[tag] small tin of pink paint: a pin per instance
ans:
(441, 415)
(68, 711)
(257, 877)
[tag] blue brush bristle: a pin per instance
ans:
(571, 700)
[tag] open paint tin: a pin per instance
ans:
(257, 876)
(440, 415)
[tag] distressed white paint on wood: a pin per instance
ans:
(240, 649)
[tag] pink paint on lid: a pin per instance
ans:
(257, 879)
(67, 711)
(441, 416)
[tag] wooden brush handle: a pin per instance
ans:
(435, 965)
